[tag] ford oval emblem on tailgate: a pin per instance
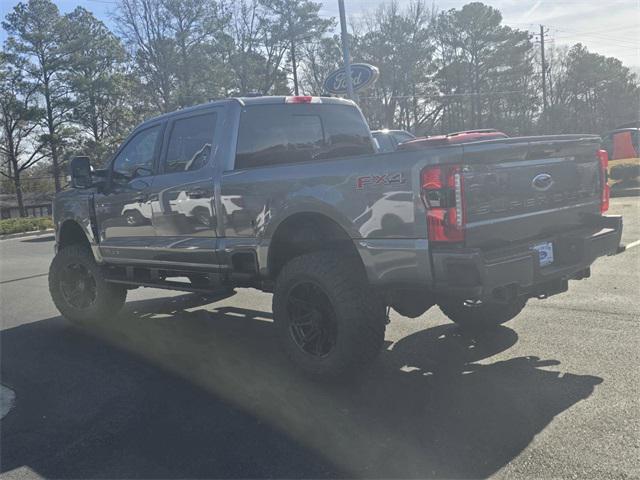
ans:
(542, 182)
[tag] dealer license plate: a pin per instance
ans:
(545, 253)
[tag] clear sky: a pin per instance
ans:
(609, 27)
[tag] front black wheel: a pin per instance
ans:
(328, 320)
(476, 314)
(79, 289)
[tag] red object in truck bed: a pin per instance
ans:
(451, 139)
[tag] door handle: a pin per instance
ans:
(197, 193)
(140, 198)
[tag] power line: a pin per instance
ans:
(600, 37)
(452, 95)
(609, 42)
(595, 35)
(564, 34)
(609, 29)
(588, 33)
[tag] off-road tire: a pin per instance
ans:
(109, 298)
(359, 316)
(482, 316)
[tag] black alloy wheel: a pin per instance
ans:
(328, 320)
(79, 289)
(312, 321)
(78, 286)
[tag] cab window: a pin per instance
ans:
(286, 134)
(136, 158)
(190, 143)
(347, 132)
(271, 135)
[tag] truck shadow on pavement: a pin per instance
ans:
(214, 397)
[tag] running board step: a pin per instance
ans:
(167, 285)
(199, 282)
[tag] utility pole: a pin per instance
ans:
(345, 50)
(544, 71)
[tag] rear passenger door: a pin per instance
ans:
(182, 196)
(273, 141)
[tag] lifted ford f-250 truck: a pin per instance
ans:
(286, 194)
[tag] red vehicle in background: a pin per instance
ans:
(452, 139)
(623, 147)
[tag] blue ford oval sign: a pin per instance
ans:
(363, 75)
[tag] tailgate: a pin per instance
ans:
(528, 188)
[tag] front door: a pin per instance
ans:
(123, 211)
(183, 212)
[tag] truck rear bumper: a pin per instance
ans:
(503, 274)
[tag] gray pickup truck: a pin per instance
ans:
(286, 195)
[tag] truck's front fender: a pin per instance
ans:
(75, 207)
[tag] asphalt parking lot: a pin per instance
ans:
(184, 386)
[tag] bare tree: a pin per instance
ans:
(255, 50)
(20, 147)
(36, 37)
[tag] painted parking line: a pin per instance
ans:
(633, 244)
(24, 278)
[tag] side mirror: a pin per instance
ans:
(80, 169)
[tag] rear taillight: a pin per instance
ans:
(603, 156)
(443, 197)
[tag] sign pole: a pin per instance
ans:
(345, 50)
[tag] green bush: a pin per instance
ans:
(28, 224)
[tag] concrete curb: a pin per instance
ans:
(33, 233)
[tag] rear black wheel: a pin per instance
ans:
(312, 320)
(329, 322)
(79, 289)
(476, 314)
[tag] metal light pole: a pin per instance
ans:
(345, 50)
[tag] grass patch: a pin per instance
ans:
(28, 224)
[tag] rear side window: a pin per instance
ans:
(285, 134)
(190, 143)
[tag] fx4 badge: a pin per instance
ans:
(394, 178)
